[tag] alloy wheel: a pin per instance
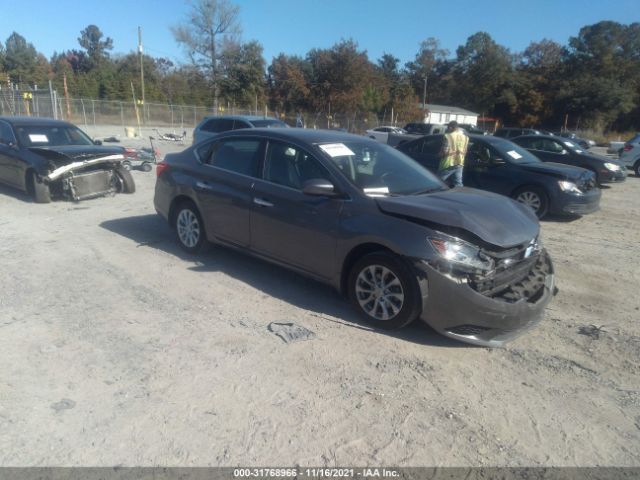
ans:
(188, 228)
(530, 199)
(379, 292)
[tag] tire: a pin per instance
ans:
(400, 303)
(636, 168)
(189, 228)
(146, 167)
(127, 185)
(41, 192)
(535, 198)
(126, 165)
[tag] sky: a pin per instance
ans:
(296, 26)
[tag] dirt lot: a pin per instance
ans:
(118, 349)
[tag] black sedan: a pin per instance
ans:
(368, 220)
(50, 158)
(562, 150)
(500, 166)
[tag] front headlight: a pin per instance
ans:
(612, 166)
(568, 187)
(460, 253)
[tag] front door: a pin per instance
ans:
(287, 225)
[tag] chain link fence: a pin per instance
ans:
(91, 113)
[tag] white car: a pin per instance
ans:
(630, 155)
(381, 134)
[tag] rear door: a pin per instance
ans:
(425, 151)
(287, 225)
(224, 187)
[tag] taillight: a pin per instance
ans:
(161, 167)
(627, 147)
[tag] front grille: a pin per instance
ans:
(90, 184)
(467, 330)
(524, 279)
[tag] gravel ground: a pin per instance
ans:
(118, 349)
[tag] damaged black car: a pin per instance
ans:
(52, 159)
(368, 220)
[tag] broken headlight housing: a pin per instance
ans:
(461, 254)
(611, 167)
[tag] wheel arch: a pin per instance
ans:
(173, 208)
(353, 256)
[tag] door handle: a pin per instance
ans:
(262, 203)
(204, 186)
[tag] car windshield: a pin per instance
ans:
(268, 123)
(379, 170)
(513, 153)
(51, 136)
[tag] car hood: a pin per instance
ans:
(559, 170)
(64, 155)
(493, 218)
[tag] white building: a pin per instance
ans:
(444, 114)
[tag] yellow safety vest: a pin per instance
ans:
(454, 149)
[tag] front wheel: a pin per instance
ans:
(125, 180)
(41, 191)
(189, 228)
(534, 198)
(384, 290)
(146, 167)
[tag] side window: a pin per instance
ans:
(225, 125)
(526, 143)
(551, 146)
(432, 146)
(6, 134)
(211, 126)
(239, 155)
(412, 147)
(478, 154)
(238, 124)
(291, 166)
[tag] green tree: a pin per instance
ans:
(242, 74)
(20, 59)
(209, 27)
(97, 49)
(288, 80)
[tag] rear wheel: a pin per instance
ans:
(41, 192)
(534, 198)
(146, 167)
(384, 290)
(126, 165)
(189, 228)
(127, 185)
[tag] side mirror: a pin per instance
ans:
(319, 187)
(97, 142)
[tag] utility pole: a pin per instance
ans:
(424, 99)
(141, 71)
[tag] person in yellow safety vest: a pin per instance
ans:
(454, 149)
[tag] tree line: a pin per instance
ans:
(593, 81)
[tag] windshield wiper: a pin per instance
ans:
(428, 190)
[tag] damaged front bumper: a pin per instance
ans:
(86, 179)
(455, 309)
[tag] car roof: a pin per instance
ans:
(307, 135)
(248, 118)
(50, 122)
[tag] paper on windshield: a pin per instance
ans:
(578, 151)
(376, 191)
(514, 154)
(569, 144)
(336, 149)
(38, 138)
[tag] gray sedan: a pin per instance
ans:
(368, 220)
